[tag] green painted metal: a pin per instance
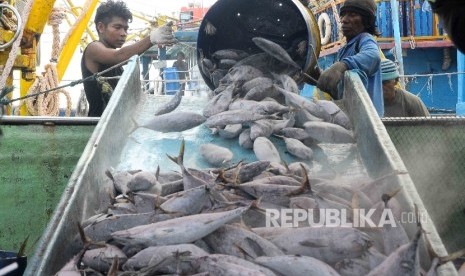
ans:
(36, 162)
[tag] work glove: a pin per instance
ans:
(163, 35)
(313, 75)
(331, 77)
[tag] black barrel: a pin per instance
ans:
(236, 22)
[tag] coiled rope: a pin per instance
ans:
(49, 104)
(15, 47)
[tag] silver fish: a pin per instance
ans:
(188, 202)
(297, 265)
(166, 257)
(220, 102)
(329, 133)
(101, 258)
(174, 121)
(328, 244)
(261, 128)
(176, 231)
(237, 241)
(219, 264)
(215, 155)
(230, 131)
(275, 50)
(244, 139)
(171, 105)
(234, 117)
(265, 150)
(298, 149)
(403, 261)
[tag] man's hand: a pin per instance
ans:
(163, 35)
(330, 78)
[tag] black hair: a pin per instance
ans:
(182, 54)
(107, 10)
(370, 25)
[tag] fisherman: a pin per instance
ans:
(360, 54)
(398, 102)
(182, 67)
(111, 21)
(451, 12)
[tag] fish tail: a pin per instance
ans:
(180, 158)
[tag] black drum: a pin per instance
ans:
(231, 24)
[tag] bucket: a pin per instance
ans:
(171, 80)
(286, 22)
(8, 258)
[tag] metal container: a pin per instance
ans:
(104, 149)
(286, 22)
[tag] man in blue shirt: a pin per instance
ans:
(360, 54)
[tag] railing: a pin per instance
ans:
(419, 27)
(194, 84)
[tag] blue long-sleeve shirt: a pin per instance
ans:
(361, 54)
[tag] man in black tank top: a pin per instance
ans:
(111, 21)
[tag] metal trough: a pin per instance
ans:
(106, 149)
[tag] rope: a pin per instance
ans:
(94, 76)
(49, 104)
(15, 47)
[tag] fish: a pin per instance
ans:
(220, 102)
(328, 244)
(168, 258)
(220, 264)
(230, 131)
(215, 155)
(189, 180)
(299, 102)
(298, 149)
(329, 133)
(297, 265)
(260, 81)
(174, 121)
(275, 50)
(244, 139)
(403, 261)
(262, 107)
(231, 117)
(185, 229)
(187, 202)
(261, 128)
(336, 115)
(142, 181)
(101, 258)
(265, 150)
(171, 105)
(237, 241)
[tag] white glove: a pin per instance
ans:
(163, 35)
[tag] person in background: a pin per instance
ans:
(452, 14)
(360, 54)
(182, 68)
(111, 21)
(398, 102)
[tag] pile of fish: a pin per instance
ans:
(214, 221)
